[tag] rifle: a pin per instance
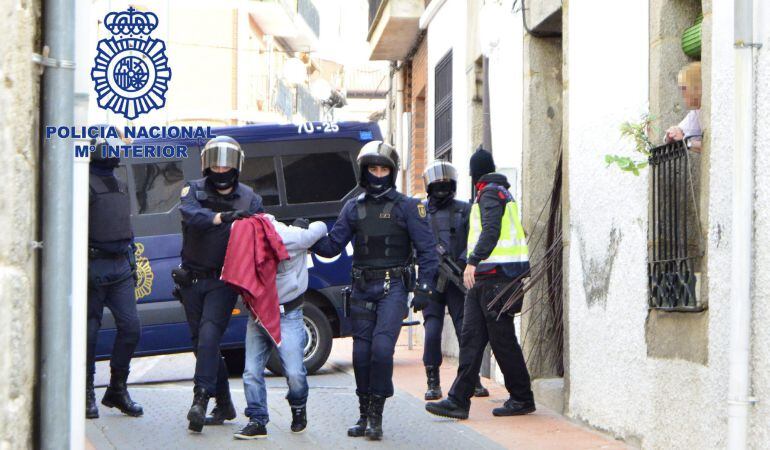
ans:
(448, 272)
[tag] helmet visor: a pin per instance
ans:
(222, 154)
(439, 171)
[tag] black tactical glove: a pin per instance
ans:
(301, 222)
(231, 216)
(421, 299)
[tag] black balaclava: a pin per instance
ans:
(224, 180)
(377, 185)
(481, 164)
(441, 194)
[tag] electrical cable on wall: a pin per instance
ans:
(537, 34)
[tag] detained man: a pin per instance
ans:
(291, 282)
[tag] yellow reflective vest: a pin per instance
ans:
(512, 245)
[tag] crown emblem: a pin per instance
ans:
(131, 22)
(131, 72)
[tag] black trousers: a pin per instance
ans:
(120, 299)
(479, 327)
(208, 305)
(453, 299)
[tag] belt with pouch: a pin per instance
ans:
(379, 274)
(204, 274)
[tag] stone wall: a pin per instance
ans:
(19, 117)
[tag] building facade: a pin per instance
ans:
(559, 89)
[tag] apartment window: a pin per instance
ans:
(443, 110)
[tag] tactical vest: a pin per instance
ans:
(109, 211)
(445, 223)
(380, 241)
(512, 245)
(205, 250)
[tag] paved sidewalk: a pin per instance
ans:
(332, 407)
(542, 430)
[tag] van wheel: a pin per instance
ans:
(319, 341)
(235, 360)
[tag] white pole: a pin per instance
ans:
(79, 302)
(742, 231)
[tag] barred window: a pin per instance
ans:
(443, 110)
(675, 234)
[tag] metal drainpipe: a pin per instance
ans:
(739, 385)
(486, 360)
(56, 279)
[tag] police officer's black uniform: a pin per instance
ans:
(384, 226)
(111, 269)
(449, 221)
(482, 324)
(208, 301)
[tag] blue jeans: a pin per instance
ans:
(291, 351)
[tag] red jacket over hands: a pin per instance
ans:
(251, 262)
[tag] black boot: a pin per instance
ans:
(480, 391)
(197, 413)
(434, 383)
(117, 396)
(298, 419)
(374, 430)
(359, 428)
(223, 409)
(92, 412)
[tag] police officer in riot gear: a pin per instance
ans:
(209, 206)
(449, 221)
(385, 226)
(111, 271)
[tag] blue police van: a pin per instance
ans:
(306, 171)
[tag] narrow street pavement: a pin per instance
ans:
(163, 386)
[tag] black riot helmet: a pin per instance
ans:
(100, 157)
(222, 151)
(377, 153)
(440, 175)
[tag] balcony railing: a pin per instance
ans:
(307, 105)
(309, 13)
(283, 100)
(675, 232)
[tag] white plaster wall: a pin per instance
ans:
(447, 31)
(760, 425)
(506, 94)
(613, 384)
(606, 342)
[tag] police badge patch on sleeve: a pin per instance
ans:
(421, 210)
(185, 190)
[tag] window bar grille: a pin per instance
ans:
(671, 269)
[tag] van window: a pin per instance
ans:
(319, 177)
(259, 174)
(157, 186)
